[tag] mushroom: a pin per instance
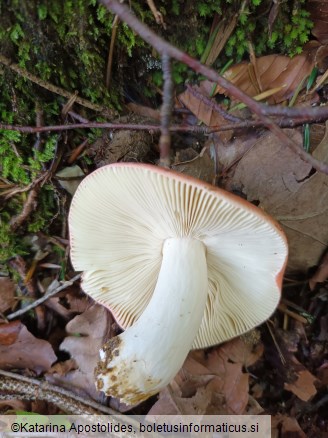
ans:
(181, 265)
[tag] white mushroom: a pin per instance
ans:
(180, 263)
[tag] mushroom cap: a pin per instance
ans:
(120, 217)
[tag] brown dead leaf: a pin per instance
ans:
(253, 407)
(86, 335)
(231, 382)
(199, 108)
(303, 387)
(202, 110)
(319, 16)
(233, 385)
(144, 111)
(69, 302)
(205, 400)
(274, 71)
(9, 332)
(26, 351)
(200, 166)
(7, 294)
(211, 383)
(167, 404)
(288, 425)
(245, 353)
(287, 189)
(297, 379)
(195, 363)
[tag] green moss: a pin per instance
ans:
(9, 244)
(63, 42)
(290, 30)
(66, 44)
(22, 170)
(43, 216)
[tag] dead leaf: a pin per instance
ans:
(144, 111)
(245, 353)
(202, 110)
(200, 166)
(253, 407)
(199, 108)
(27, 351)
(86, 335)
(274, 71)
(9, 332)
(166, 405)
(70, 177)
(286, 188)
(211, 384)
(233, 386)
(303, 387)
(288, 425)
(319, 15)
(69, 302)
(7, 294)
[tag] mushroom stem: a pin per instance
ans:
(146, 357)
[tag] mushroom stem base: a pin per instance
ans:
(146, 357)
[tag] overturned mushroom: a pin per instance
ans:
(181, 264)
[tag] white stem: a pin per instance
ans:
(147, 356)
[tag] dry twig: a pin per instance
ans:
(53, 88)
(116, 22)
(48, 294)
(28, 207)
(245, 124)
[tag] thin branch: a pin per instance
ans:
(76, 152)
(28, 208)
(244, 124)
(166, 112)
(316, 114)
(15, 190)
(90, 125)
(157, 15)
(116, 22)
(163, 47)
(48, 294)
(53, 88)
